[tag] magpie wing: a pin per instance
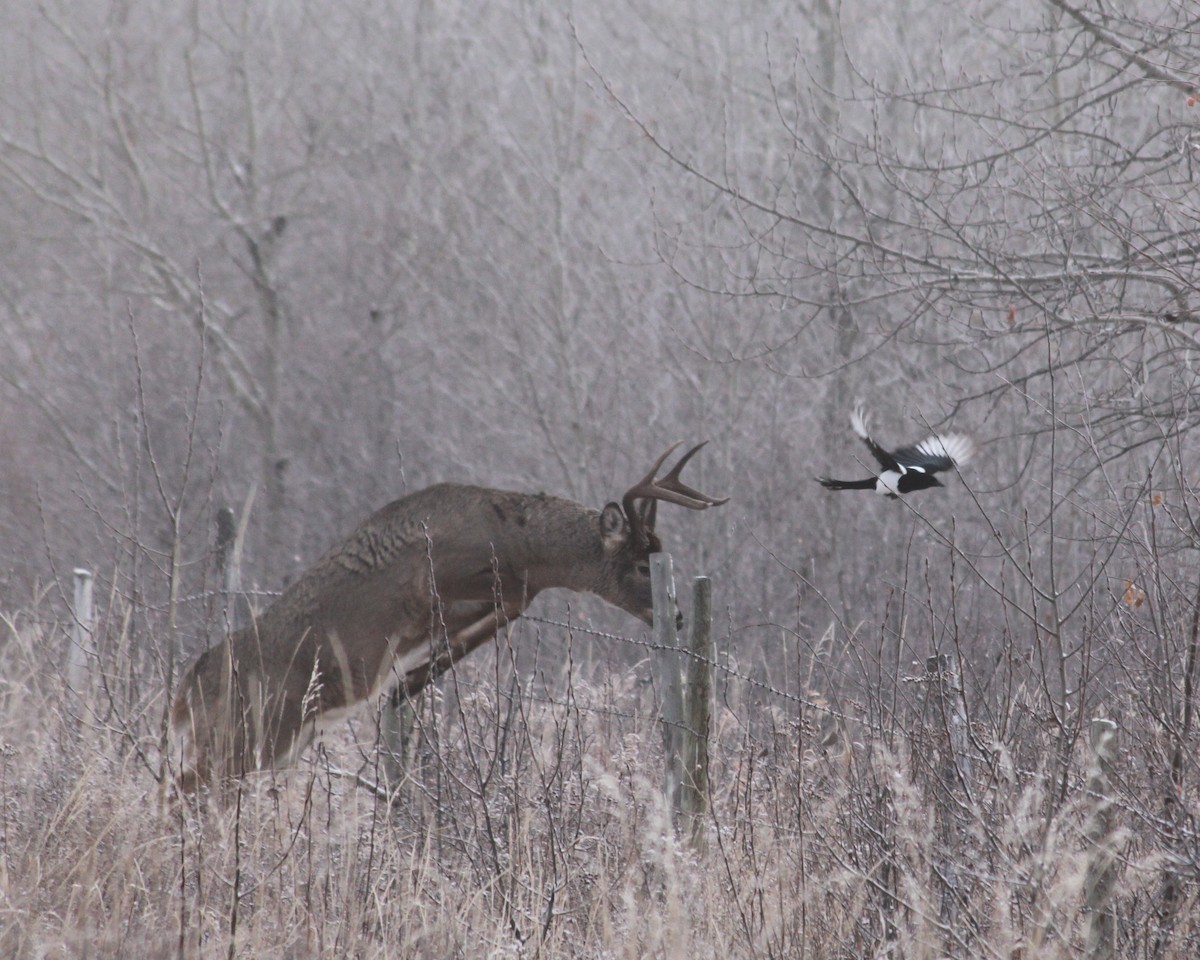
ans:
(939, 452)
(858, 421)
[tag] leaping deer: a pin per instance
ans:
(419, 585)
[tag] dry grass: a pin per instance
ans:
(531, 823)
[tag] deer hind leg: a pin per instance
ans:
(229, 720)
(202, 729)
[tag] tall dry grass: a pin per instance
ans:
(530, 822)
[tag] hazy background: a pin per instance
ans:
(295, 258)
(308, 256)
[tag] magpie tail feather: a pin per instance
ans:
(830, 484)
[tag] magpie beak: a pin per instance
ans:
(909, 468)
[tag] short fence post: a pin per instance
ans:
(1100, 878)
(666, 643)
(82, 643)
(698, 708)
(397, 723)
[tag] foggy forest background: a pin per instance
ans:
(297, 259)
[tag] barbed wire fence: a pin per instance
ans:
(689, 678)
(723, 674)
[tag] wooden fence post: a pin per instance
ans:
(82, 643)
(397, 725)
(1100, 878)
(948, 725)
(666, 643)
(235, 604)
(698, 711)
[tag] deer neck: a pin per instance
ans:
(563, 551)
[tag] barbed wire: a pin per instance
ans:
(716, 665)
(576, 628)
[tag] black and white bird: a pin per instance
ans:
(909, 468)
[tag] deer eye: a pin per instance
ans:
(644, 569)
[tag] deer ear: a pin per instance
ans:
(614, 528)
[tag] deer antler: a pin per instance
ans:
(670, 489)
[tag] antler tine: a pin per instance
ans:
(679, 486)
(648, 479)
(669, 489)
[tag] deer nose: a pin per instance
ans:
(678, 619)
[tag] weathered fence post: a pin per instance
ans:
(397, 723)
(235, 604)
(698, 711)
(685, 709)
(1101, 868)
(666, 643)
(81, 646)
(943, 704)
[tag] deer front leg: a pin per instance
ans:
(458, 644)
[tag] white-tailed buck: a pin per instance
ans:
(418, 586)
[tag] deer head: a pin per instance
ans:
(419, 585)
(628, 533)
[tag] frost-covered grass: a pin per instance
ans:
(531, 823)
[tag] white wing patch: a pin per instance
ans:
(956, 447)
(858, 421)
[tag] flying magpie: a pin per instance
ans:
(909, 468)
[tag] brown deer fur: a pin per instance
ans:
(420, 584)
